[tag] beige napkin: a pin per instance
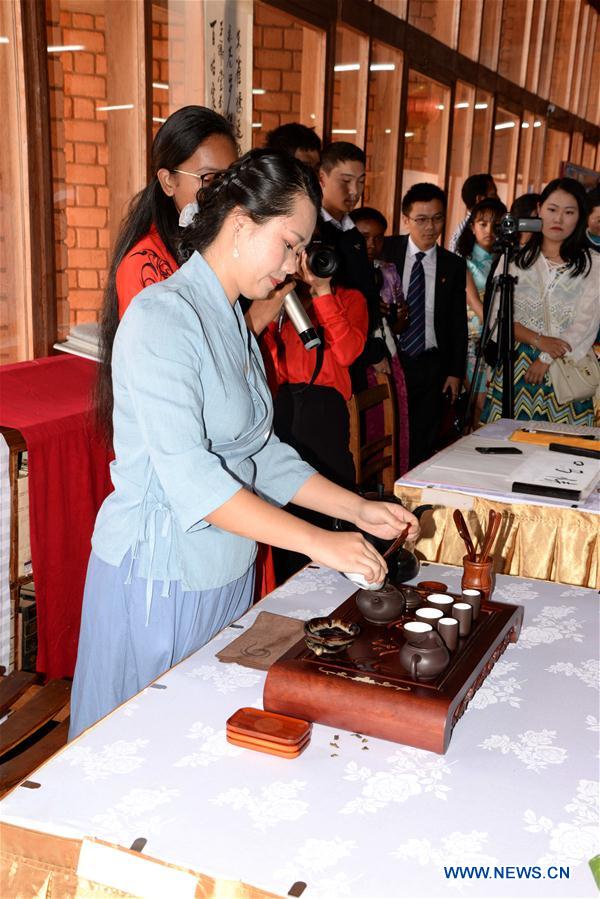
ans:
(263, 643)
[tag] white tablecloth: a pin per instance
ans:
(459, 468)
(354, 817)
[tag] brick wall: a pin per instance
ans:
(77, 83)
(160, 66)
(277, 69)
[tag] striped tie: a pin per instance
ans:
(413, 339)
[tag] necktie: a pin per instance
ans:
(413, 339)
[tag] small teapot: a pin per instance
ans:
(381, 606)
(424, 655)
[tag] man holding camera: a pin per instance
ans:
(434, 345)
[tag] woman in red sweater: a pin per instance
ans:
(310, 412)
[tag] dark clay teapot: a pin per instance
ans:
(381, 606)
(424, 655)
(402, 564)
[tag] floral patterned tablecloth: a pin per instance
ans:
(515, 797)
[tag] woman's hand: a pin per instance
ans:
(554, 346)
(261, 313)
(385, 520)
(536, 372)
(319, 287)
(350, 552)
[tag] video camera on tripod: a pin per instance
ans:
(508, 231)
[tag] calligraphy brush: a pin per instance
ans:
(461, 527)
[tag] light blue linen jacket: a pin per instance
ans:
(193, 423)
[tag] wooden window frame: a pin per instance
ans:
(421, 53)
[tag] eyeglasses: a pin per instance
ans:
(204, 179)
(422, 220)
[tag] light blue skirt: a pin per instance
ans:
(119, 653)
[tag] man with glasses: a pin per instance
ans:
(434, 345)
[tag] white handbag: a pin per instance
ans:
(572, 381)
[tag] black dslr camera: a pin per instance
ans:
(322, 259)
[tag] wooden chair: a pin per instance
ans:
(33, 731)
(375, 462)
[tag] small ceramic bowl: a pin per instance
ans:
(328, 636)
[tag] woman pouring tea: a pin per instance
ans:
(198, 475)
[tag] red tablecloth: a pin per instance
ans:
(49, 401)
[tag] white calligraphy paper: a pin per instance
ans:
(228, 54)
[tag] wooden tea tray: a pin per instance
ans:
(366, 689)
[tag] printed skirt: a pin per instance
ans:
(534, 402)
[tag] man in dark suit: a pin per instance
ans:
(434, 345)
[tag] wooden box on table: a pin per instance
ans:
(366, 689)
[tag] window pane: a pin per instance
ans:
(462, 131)
(396, 7)
(15, 311)
(385, 80)
(289, 73)
(490, 33)
(593, 102)
(531, 149)
(426, 135)
(556, 152)
(579, 58)
(437, 18)
(471, 12)
(483, 114)
(177, 66)
(537, 154)
(588, 62)
(516, 25)
(548, 43)
(504, 155)
(576, 148)
(536, 48)
(97, 130)
(350, 86)
(589, 155)
(564, 49)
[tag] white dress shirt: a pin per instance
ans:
(346, 223)
(429, 264)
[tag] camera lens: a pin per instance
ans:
(322, 260)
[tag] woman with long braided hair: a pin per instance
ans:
(199, 475)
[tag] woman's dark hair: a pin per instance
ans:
(525, 206)
(466, 241)
(262, 183)
(574, 248)
(176, 140)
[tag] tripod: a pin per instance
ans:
(506, 245)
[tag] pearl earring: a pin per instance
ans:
(236, 252)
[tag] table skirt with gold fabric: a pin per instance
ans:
(547, 543)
